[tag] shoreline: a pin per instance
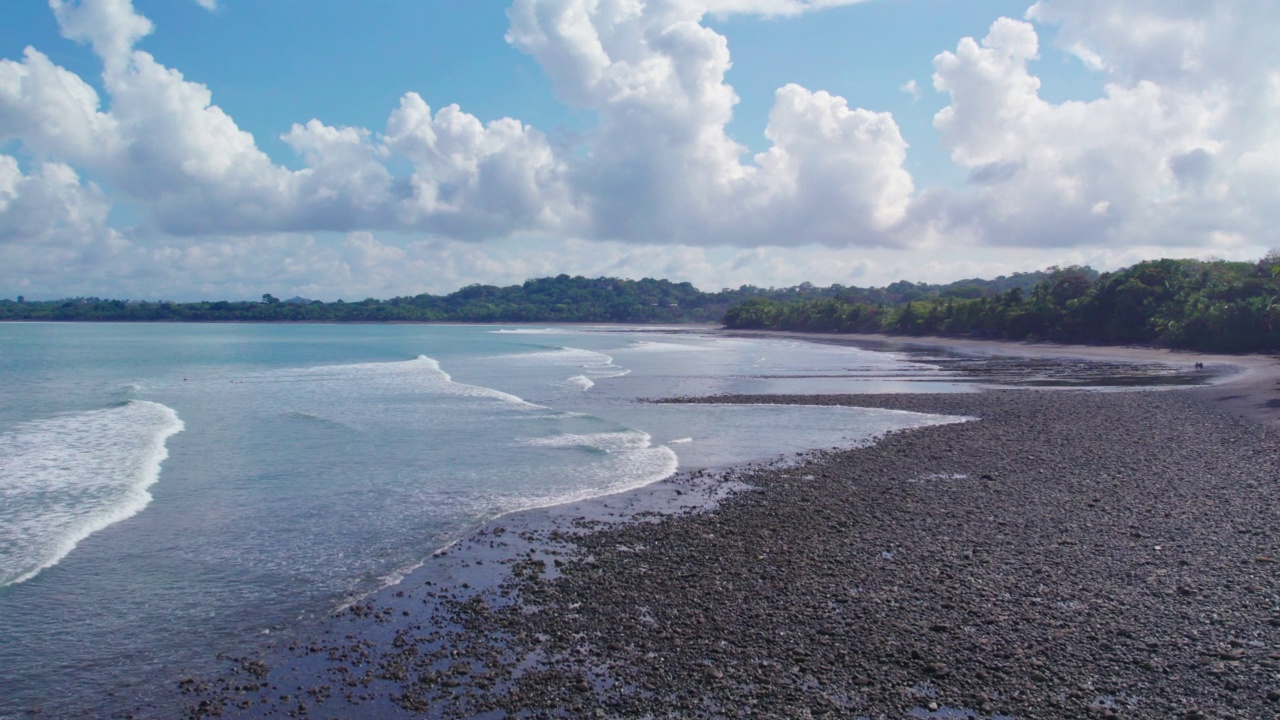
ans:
(1255, 362)
(703, 325)
(1251, 392)
(589, 609)
(438, 597)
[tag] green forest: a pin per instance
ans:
(1192, 304)
(554, 299)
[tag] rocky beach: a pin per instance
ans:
(1063, 553)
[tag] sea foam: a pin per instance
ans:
(625, 460)
(594, 365)
(650, 346)
(65, 478)
(471, 390)
(379, 381)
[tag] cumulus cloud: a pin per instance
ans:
(1172, 43)
(110, 26)
(49, 207)
(53, 229)
(834, 174)
(472, 180)
(771, 8)
(166, 146)
(1148, 162)
(54, 112)
(661, 165)
(1222, 55)
(1181, 150)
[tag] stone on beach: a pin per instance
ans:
(1091, 555)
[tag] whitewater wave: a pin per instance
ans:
(377, 381)
(607, 442)
(621, 461)
(529, 331)
(474, 390)
(65, 478)
(650, 346)
(595, 365)
(559, 355)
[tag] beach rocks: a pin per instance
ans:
(1088, 555)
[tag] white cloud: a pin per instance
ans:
(661, 166)
(210, 5)
(1149, 162)
(344, 183)
(1177, 43)
(48, 208)
(770, 8)
(1221, 54)
(911, 88)
(53, 231)
(110, 26)
(186, 159)
(53, 112)
(834, 175)
(166, 146)
(1181, 154)
(475, 181)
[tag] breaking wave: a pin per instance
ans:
(65, 478)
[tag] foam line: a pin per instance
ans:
(650, 346)
(625, 460)
(595, 365)
(475, 390)
(391, 379)
(66, 478)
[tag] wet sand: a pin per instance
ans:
(1247, 385)
(1066, 554)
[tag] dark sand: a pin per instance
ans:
(1069, 554)
(1248, 386)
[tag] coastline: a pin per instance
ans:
(1249, 389)
(1069, 553)
(440, 602)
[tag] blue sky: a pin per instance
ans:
(717, 141)
(349, 63)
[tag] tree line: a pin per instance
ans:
(552, 300)
(1193, 304)
(1202, 305)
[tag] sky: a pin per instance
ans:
(222, 149)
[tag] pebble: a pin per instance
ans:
(784, 589)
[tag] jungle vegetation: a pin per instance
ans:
(1193, 304)
(1210, 305)
(553, 299)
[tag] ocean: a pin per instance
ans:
(170, 492)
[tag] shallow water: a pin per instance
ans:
(174, 491)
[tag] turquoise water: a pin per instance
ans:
(169, 492)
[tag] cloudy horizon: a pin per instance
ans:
(1071, 132)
